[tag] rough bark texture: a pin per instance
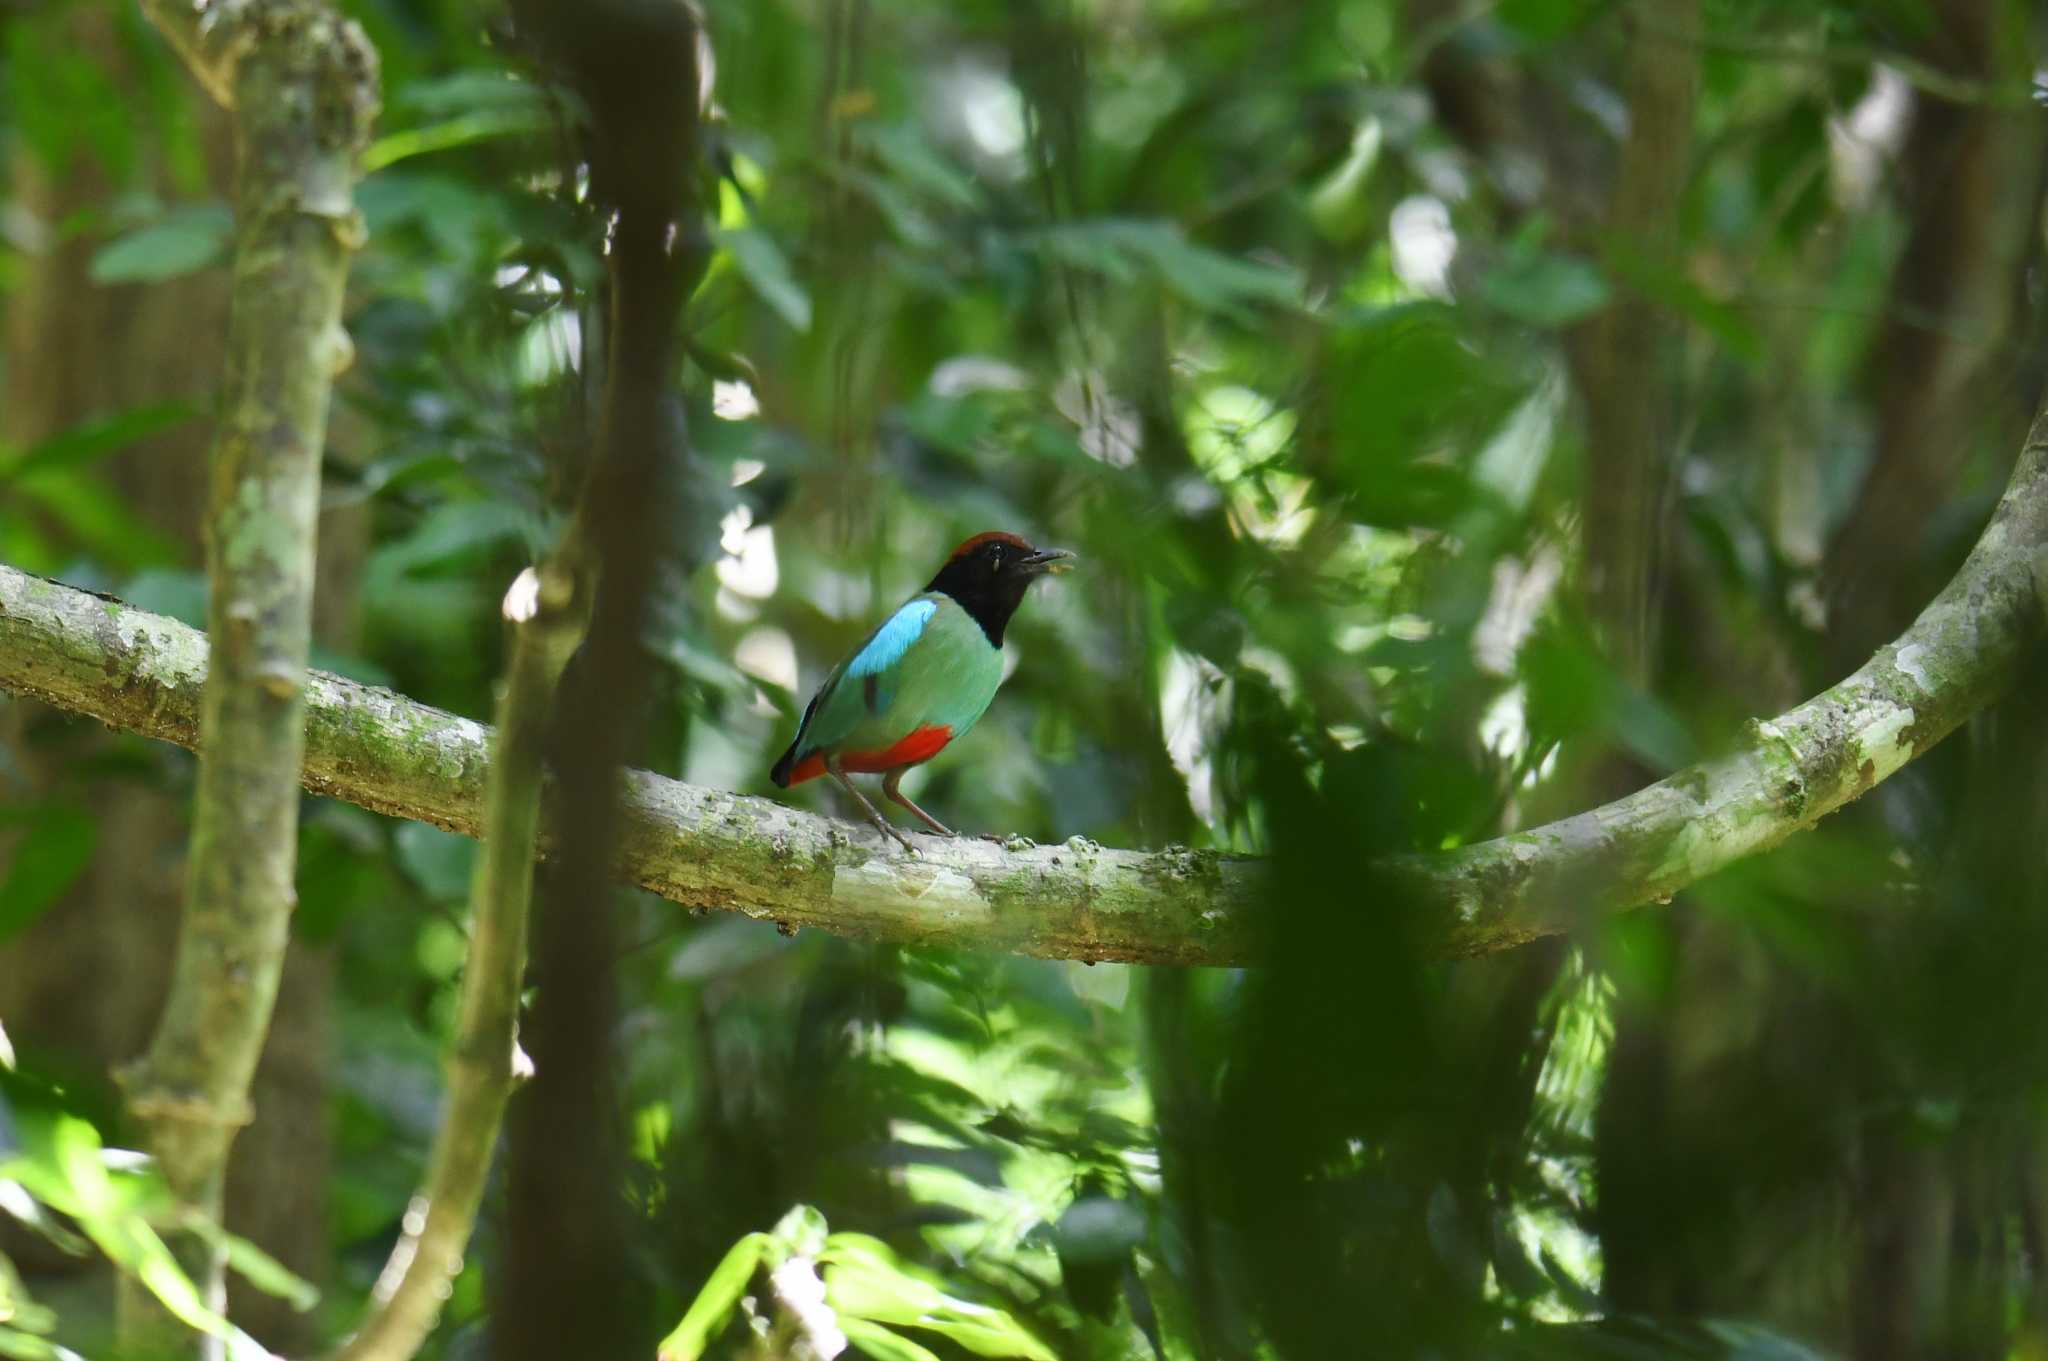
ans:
(303, 83)
(711, 849)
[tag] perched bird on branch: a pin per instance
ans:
(921, 679)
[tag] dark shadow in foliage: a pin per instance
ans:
(1366, 1132)
(566, 1287)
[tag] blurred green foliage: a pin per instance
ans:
(1221, 297)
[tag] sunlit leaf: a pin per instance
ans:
(864, 1279)
(480, 125)
(714, 1303)
(880, 1343)
(256, 1266)
(25, 1346)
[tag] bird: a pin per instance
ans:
(921, 679)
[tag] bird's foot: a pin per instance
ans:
(890, 830)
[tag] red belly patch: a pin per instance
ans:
(921, 745)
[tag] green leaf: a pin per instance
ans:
(478, 125)
(89, 441)
(465, 91)
(16, 1307)
(439, 862)
(64, 1168)
(54, 851)
(905, 151)
(882, 1344)
(1546, 289)
(762, 264)
(714, 1303)
(1121, 250)
(1209, 278)
(21, 1346)
(256, 1266)
(864, 1280)
(994, 1334)
(100, 519)
(724, 364)
(188, 238)
(455, 533)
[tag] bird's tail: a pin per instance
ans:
(782, 767)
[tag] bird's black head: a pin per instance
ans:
(989, 574)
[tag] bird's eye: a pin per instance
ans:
(995, 555)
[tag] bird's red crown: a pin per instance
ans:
(993, 535)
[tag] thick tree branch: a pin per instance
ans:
(304, 83)
(707, 848)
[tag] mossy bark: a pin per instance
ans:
(302, 83)
(709, 848)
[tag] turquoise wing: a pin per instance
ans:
(863, 687)
(926, 665)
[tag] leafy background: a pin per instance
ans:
(1277, 314)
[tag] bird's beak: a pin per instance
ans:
(1050, 560)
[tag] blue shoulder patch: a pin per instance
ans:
(892, 639)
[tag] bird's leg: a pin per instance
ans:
(889, 788)
(874, 815)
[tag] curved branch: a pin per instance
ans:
(707, 848)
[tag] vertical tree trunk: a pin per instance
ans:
(1974, 175)
(1623, 359)
(303, 85)
(641, 70)
(77, 350)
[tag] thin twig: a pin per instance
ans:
(482, 1061)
